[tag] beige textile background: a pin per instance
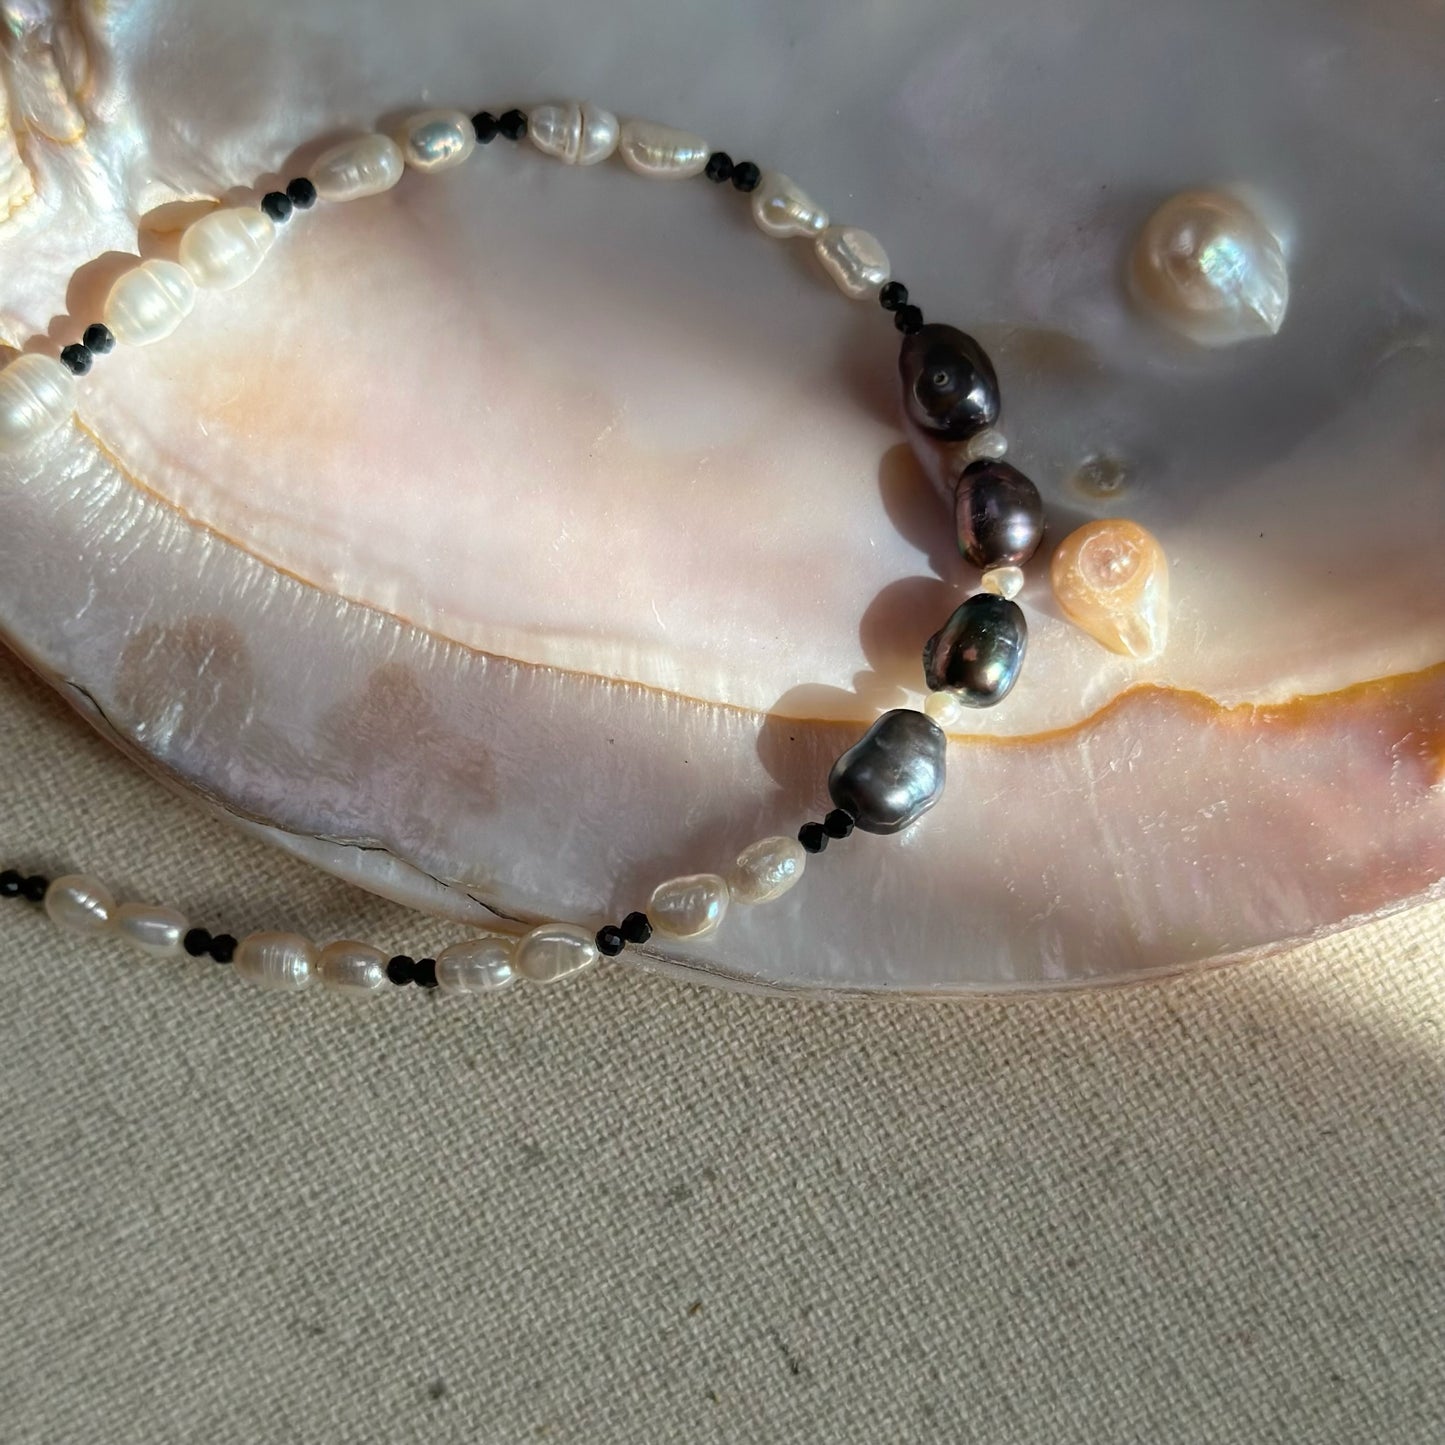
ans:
(633, 1211)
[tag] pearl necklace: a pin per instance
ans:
(882, 784)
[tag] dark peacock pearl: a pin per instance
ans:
(978, 653)
(999, 515)
(893, 774)
(949, 386)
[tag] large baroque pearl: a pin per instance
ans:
(998, 515)
(1111, 578)
(950, 390)
(434, 140)
(782, 208)
(361, 167)
(662, 152)
(223, 249)
(37, 394)
(149, 302)
(576, 132)
(855, 259)
(688, 907)
(979, 652)
(1207, 266)
(893, 774)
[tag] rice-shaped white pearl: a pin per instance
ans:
(855, 259)
(476, 965)
(662, 152)
(690, 906)
(280, 961)
(766, 869)
(782, 208)
(352, 968)
(225, 248)
(361, 167)
(151, 929)
(79, 904)
(37, 394)
(555, 951)
(148, 303)
(577, 133)
(433, 140)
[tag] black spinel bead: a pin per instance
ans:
(11, 883)
(424, 973)
(33, 888)
(746, 176)
(223, 948)
(77, 357)
(277, 205)
(513, 125)
(839, 823)
(98, 339)
(719, 167)
(635, 928)
(893, 296)
(610, 941)
(196, 942)
(486, 125)
(812, 837)
(908, 319)
(401, 970)
(301, 193)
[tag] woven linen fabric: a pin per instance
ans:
(627, 1210)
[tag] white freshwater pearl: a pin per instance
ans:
(690, 906)
(576, 132)
(151, 929)
(988, 445)
(348, 967)
(661, 152)
(855, 259)
(37, 394)
(356, 168)
(476, 965)
(554, 951)
(1003, 581)
(943, 707)
(766, 869)
(276, 960)
(433, 140)
(79, 904)
(782, 208)
(226, 247)
(148, 303)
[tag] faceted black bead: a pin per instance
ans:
(424, 973)
(635, 928)
(610, 941)
(34, 888)
(719, 167)
(893, 296)
(812, 837)
(223, 948)
(908, 319)
(301, 193)
(485, 124)
(10, 883)
(998, 515)
(401, 970)
(839, 823)
(979, 652)
(98, 338)
(746, 176)
(77, 357)
(513, 125)
(277, 205)
(196, 942)
(950, 390)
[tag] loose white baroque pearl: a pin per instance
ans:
(79, 904)
(690, 906)
(553, 952)
(855, 259)
(432, 140)
(276, 960)
(356, 168)
(476, 965)
(352, 968)
(766, 869)
(151, 929)
(148, 303)
(662, 152)
(782, 208)
(577, 133)
(226, 247)
(37, 393)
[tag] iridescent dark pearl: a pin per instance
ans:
(999, 515)
(893, 774)
(949, 386)
(978, 653)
